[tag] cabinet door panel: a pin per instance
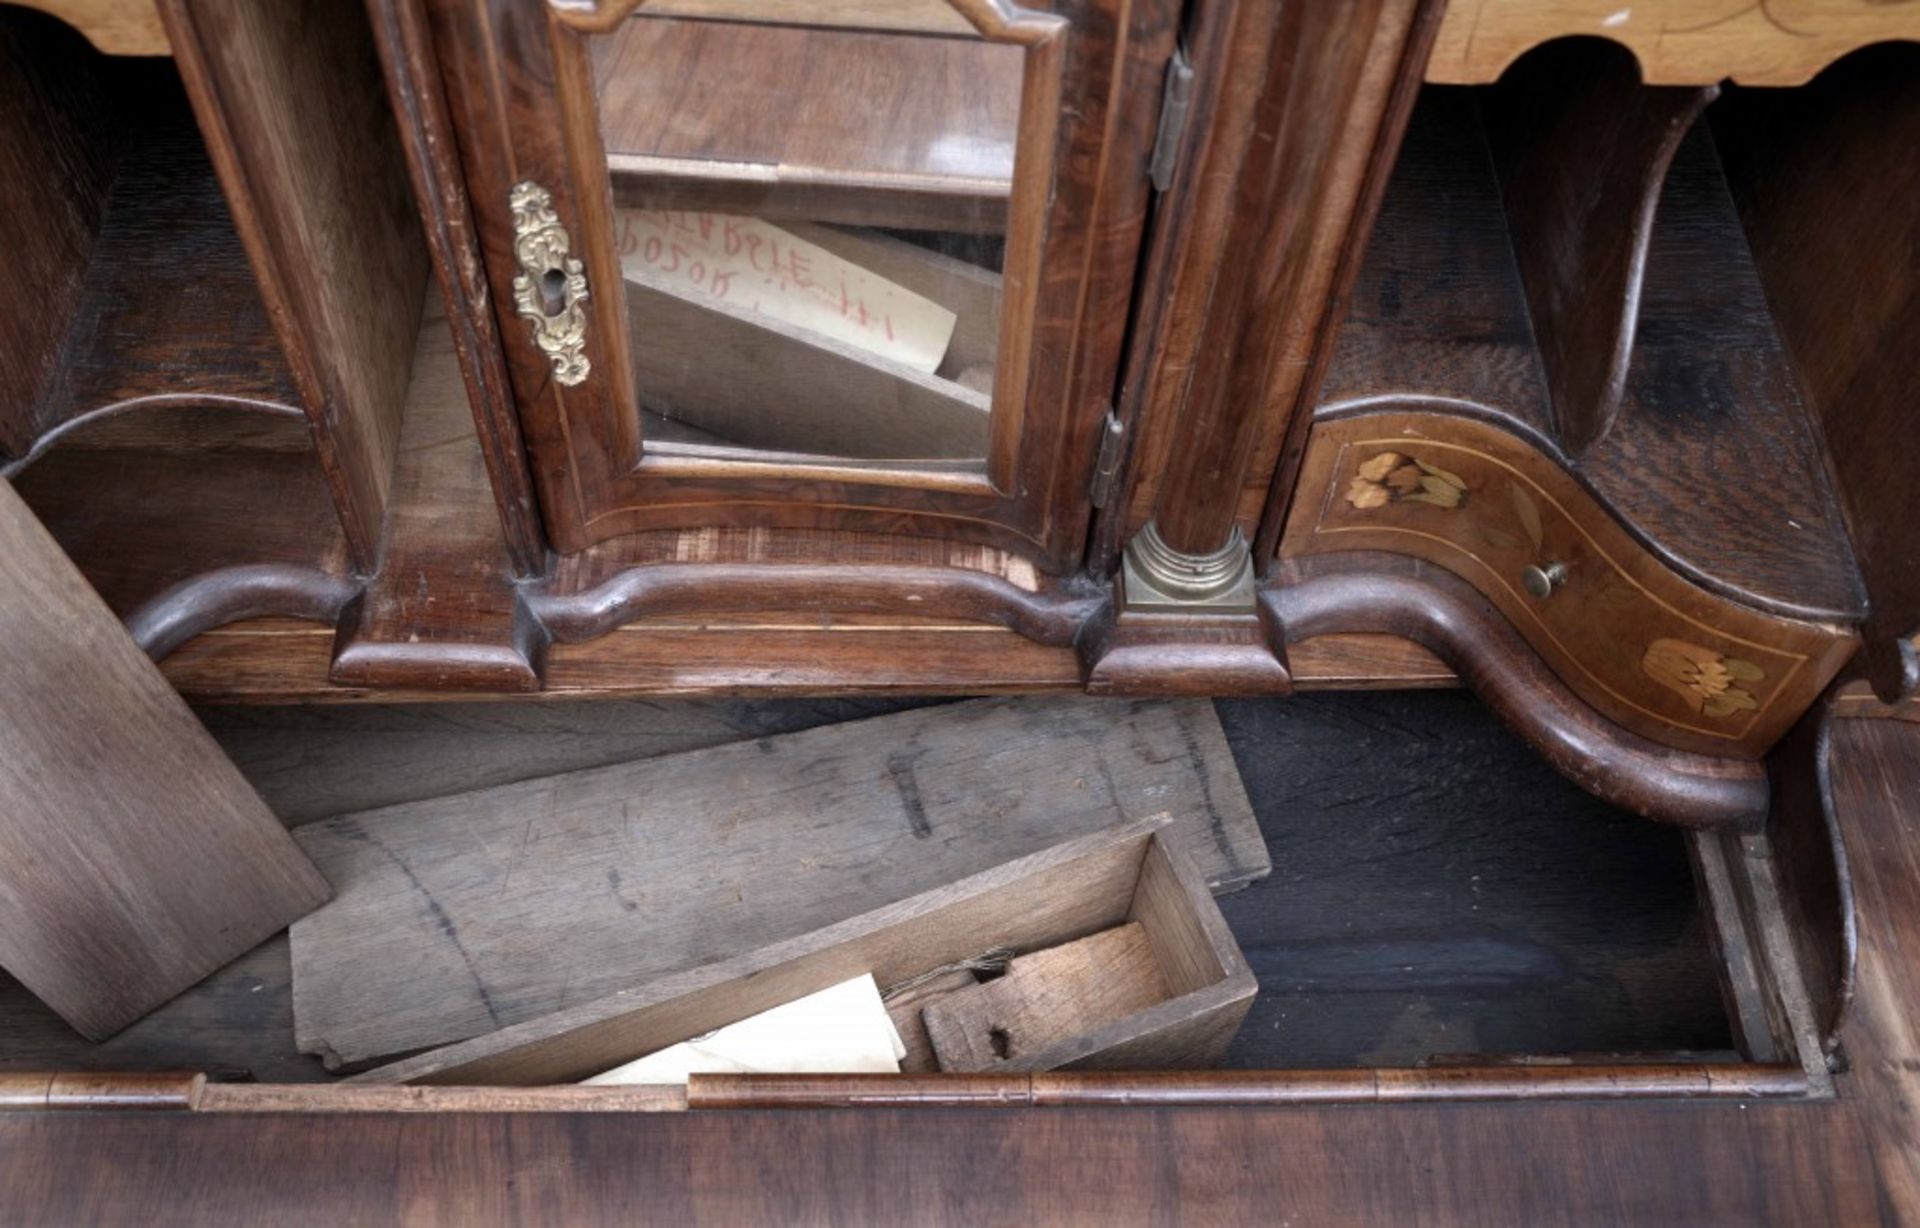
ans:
(844, 265)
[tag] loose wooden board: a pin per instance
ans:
(464, 914)
(134, 859)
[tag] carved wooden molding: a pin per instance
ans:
(999, 20)
(1380, 593)
(231, 594)
(1678, 42)
(1053, 616)
(115, 27)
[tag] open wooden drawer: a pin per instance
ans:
(1501, 936)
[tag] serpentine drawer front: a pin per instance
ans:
(1650, 649)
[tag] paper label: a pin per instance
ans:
(760, 268)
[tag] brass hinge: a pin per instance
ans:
(1176, 99)
(1106, 463)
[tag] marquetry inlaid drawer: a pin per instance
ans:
(1647, 647)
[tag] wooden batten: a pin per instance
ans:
(1247, 1088)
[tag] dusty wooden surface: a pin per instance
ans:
(469, 913)
(1438, 889)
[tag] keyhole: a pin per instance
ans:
(553, 292)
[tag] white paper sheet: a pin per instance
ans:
(761, 268)
(842, 1030)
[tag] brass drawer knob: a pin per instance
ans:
(1540, 581)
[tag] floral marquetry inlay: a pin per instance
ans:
(1392, 478)
(1712, 683)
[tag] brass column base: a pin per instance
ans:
(1156, 578)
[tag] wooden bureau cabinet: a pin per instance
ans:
(665, 346)
(439, 349)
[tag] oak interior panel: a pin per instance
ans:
(1826, 177)
(134, 291)
(1438, 890)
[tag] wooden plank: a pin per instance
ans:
(314, 761)
(907, 1010)
(134, 859)
(464, 914)
(765, 384)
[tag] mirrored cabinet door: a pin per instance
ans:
(858, 264)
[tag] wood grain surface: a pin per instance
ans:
(683, 107)
(57, 115)
(1819, 174)
(1615, 615)
(1297, 108)
(432, 153)
(137, 859)
(291, 101)
(139, 523)
(1658, 1163)
(154, 307)
(1678, 42)
(1873, 771)
(469, 913)
(1375, 592)
(462, 630)
(1582, 149)
(1439, 321)
(313, 761)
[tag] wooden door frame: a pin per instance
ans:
(513, 73)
